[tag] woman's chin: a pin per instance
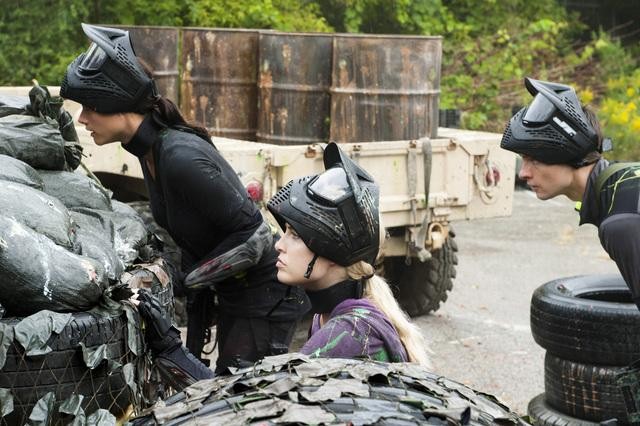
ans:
(284, 278)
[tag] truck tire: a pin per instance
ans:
(331, 391)
(582, 390)
(542, 414)
(589, 319)
(172, 251)
(421, 287)
(64, 372)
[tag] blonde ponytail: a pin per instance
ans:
(377, 291)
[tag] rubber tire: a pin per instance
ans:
(421, 287)
(601, 330)
(63, 370)
(542, 414)
(584, 391)
(395, 398)
(143, 208)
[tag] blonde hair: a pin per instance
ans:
(377, 291)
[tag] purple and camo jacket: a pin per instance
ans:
(356, 329)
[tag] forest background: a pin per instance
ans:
(488, 45)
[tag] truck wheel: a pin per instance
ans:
(421, 287)
(63, 370)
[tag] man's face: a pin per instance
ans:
(546, 180)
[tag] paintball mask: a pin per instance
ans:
(553, 128)
(335, 213)
(108, 77)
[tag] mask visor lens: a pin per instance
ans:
(331, 186)
(540, 110)
(93, 58)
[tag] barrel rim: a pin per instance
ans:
(352, 35)
(223, 30)
(143, 27)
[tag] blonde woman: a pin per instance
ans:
(332, 235)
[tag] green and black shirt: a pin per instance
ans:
(615, 209)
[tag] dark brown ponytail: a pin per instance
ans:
(167, 114)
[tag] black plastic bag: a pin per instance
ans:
(95, 235)
(34, 140)
(39, 211)
(75, 190)
(36, 274)
(131, 233)
(10, 105)
(12, 170)
(42, 104)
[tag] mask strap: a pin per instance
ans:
(310, 267)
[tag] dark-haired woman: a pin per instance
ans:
(194, 194)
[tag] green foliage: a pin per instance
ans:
(488, 46)
(40, 38)
(426, 17)
(483, 75)
(285, 15)
(619, 116)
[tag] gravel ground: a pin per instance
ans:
(481, 335)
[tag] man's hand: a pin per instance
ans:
(160, 335)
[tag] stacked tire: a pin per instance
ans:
(63, 372)
(590, 329)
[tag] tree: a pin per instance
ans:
(40, 38)
(38, 41)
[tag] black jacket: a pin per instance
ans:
(616, 213)
(198, 198)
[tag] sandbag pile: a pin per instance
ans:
(63, 241)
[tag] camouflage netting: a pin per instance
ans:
(294, 389)
(75, 367)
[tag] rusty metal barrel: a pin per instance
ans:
(158, 48)
(219, 80)
(385, 87)
(294, 81)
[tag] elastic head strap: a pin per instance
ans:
(310, 267)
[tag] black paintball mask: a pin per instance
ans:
(108, 77)
(336, 213)
(553, 128)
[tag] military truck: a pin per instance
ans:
(271, 100)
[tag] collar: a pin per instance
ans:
(325, 300)
(590, 205)
(143, 139)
